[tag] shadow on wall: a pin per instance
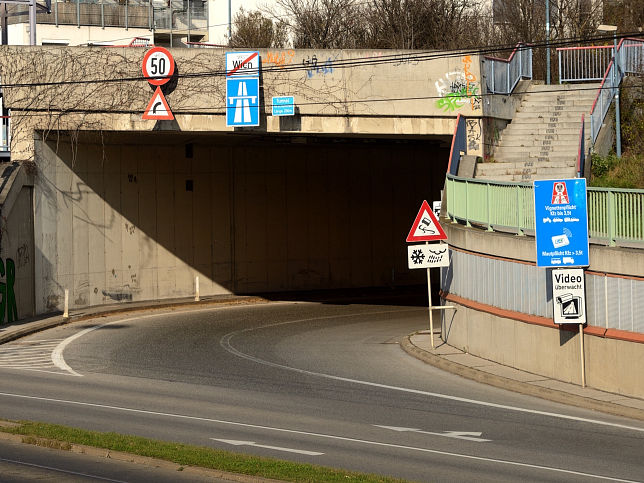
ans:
(246, 213)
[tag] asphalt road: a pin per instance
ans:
(319, 383)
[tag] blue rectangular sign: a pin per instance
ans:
(242, 101)
(561, 222)
(284, 106)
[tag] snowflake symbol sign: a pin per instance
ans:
(417, 257)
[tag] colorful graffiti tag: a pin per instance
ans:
(280, 59)
(8, 304)
(313, 68)
(457, 88)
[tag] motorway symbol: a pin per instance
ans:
(242, 102)
(158, 108)
(466, 435)
(235, 442)
(426, 226)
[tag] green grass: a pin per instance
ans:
(62, 437)
(613, 172)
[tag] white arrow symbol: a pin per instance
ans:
(235, 442)
(467, 435)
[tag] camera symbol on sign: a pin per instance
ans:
(570, 306)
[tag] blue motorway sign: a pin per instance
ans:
(561, 222)
(242, 101)
(283, 106)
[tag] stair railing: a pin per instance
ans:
(583, 64)
(581, 152)
(502, 75)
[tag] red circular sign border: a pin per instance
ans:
(163, 80)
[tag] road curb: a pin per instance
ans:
(133, 458)
(33, 327)
(517, 386)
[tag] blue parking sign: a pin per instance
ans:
(561, 222)
(242, 101)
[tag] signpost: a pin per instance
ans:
(561, 239)
(569, 304)
(242, 89)
(561, 222)
(158, 68)
(427, 228)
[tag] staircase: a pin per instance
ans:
(542, 141)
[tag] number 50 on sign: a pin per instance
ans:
(158, 66)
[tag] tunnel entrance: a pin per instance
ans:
(246, 213)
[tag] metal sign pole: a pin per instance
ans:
(429, 295)
(583, 359)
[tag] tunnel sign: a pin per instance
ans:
(158, 66)
(561, 222)
(426, 226)
(158, 108)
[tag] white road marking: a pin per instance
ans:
(235, 442)
(225, 343)
(59, 470)
(31, 355)
(320, 435)
(466, 435)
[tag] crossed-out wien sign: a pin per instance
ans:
(242, 89)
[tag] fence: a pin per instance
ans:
(583, 64)
(501, 75)
(615, 216)
(611, 302)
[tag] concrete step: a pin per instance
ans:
(563, 88)
(527, 176)
(535, 151)
(568, 103)
(539, 129)
(490, 169)
(544, 123)
(520, 158)
(563, 114)
(531, 139)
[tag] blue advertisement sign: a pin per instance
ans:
(242, 101)
(283, 106)
(561, 222)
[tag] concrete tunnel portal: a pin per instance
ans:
(245, 212)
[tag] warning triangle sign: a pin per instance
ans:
(426, 226)
(158, 108)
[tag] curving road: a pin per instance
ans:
(319, 383)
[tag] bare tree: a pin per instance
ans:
(323, 24)
(253, 29)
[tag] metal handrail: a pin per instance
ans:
(615, 216)
(581, 153)
(459, 142)
(583, 64)
(502, 75)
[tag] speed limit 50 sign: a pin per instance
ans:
(158, 66)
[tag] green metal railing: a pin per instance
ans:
(615, 216)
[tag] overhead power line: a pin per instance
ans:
(355, 62)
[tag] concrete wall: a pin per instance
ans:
(535, 344)
(118, 222)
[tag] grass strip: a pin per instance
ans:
(188, 455)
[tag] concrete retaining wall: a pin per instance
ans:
(534, 343)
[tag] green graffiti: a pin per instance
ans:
(7, 292)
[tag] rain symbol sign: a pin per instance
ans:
(428, 256)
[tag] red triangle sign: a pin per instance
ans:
(426, 226)
(158, 108)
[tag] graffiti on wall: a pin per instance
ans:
(313, 67)
(473, 131)
(8, 304)
(279, 58)
(458, 88)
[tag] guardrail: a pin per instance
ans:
(629, 59)
(583, 64)
(615, 216)
(502, 75)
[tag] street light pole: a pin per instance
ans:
(548, 42)
(618, 127)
